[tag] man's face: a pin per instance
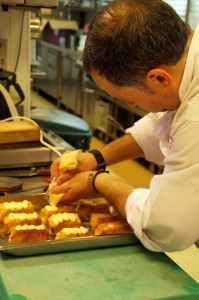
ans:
(156, 100)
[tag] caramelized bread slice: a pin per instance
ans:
(58, 221)
(117, 227)
(85, 207)
(66, 233)
(15, 207)
(14, 219)
(28, 233)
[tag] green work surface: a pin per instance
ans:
(129, 272)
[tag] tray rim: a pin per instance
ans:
(100, 242)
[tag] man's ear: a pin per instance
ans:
(157, 77)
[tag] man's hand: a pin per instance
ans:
(54, 168)
(74, 188)
(110, 187)
(86, 162)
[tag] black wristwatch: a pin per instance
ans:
(99, 158)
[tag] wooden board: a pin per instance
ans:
(18, 131)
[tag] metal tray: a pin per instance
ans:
(55, 246)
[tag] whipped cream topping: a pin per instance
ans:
(22, 216)
(70, 231)
(61, 217)
(51, 208)
(30, 227)
(16, 205)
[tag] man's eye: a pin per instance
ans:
(117, 99)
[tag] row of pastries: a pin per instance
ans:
(20, 222)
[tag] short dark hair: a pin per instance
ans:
(127, 38)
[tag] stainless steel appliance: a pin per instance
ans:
(27, 154)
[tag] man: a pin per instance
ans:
(142, 53)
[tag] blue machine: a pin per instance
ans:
(71, 128)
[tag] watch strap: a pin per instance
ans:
(99, 158)
(94, 177)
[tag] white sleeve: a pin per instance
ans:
(144, 133)
(166, 216)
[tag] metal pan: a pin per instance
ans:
(55, 246)
(9, 184)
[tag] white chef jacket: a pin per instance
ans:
(166, 216)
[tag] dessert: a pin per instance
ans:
(66, 208)
(118, 227)
(58, 221)
(15, 207)
(96, 219)
(49, 210)
(23, 222)
(28, 233)
(66, 233)
(14, 219)
(46, 212)
(85, 207)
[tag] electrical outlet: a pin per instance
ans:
(3, 53)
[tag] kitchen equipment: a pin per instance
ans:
(25, 172)
(31, 186)
(32, 154)
(9, 79)
(8, 184)
(18, 131)
(7, 107)
(69, 127)
(41, 150)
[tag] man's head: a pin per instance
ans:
(128, 38)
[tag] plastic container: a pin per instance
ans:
(71, 128)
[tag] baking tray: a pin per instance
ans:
(55, 246)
